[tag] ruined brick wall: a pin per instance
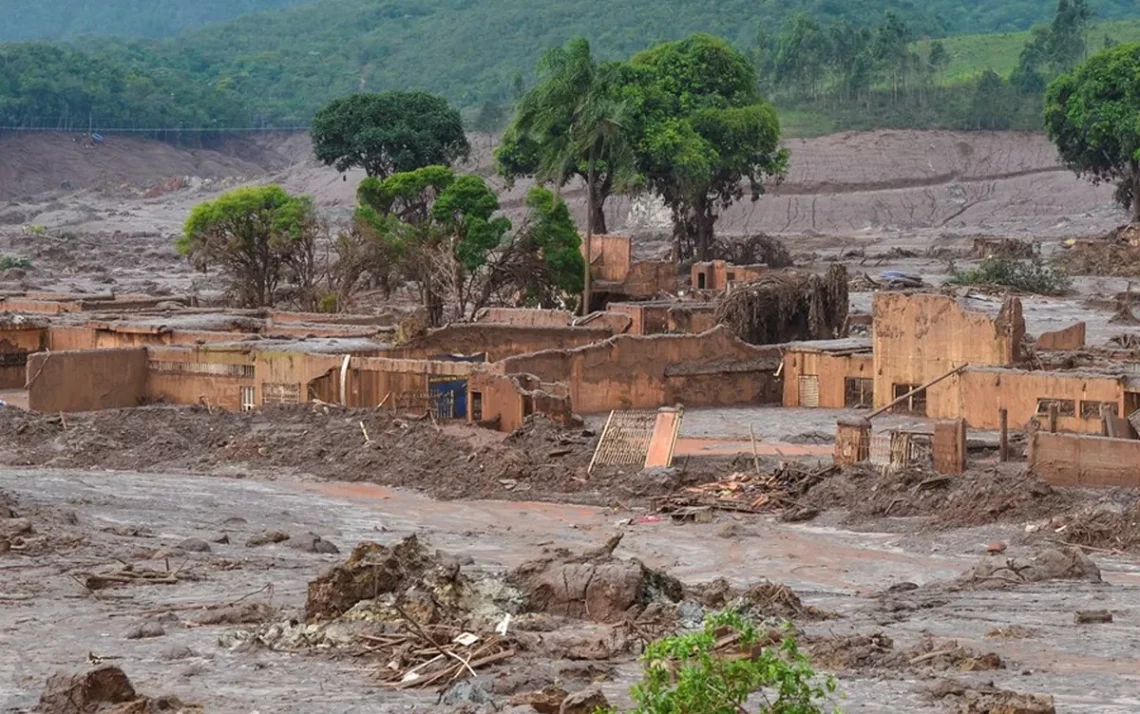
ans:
(647, 279)
(1085, 461)
(631, 372)
(524, 317)
(1070, 338)
(978, 394)
(831, 373)
(497, 341)
(917, 338)
(17, 342)
(86, 381)
(610, 257)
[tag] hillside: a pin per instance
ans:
(65, 19)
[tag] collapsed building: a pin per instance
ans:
(928, 355)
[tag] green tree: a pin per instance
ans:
(388, 133)
(543, 264)
(686, 674)
(1091, 115)
(989, 107)
(258, 236)
(440, 228)
(704, 129)
(572, 123)
(939, 58)
(490, 118)
(1067, 41)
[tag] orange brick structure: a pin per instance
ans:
(832, 374)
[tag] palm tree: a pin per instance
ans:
(574, 116)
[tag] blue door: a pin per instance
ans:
(448, 397)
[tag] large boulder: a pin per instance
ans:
(371, 570)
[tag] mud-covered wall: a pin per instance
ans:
(497, 341)
(1069, 338)
(642, 372)
(918, 338)
(655, 318)
(1085, 461)
(719, 273)
(17, 341)
(214, 377)
(524, 317)
(978, 394)
(650, 278)
(832, 372)
(609, 257)
(87, 381)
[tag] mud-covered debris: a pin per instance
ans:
(267, 538)
(371, 570)
(194, 545)
(145, 631)
(1102, 525)
(105, 690)
(878, 652)
(1090, 617)
(753, 493)
(762, 599)
(594, 585)
(547, 700)
(245, 613)
(312, 543)
(586, 701)
(1060, 563)
(988, 699)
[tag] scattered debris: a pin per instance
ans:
(988, 699)
(752, 493)
(105, 690)
(877, 652)
(787, 306)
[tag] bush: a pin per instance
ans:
(7, 262)
(1027, 276)
(687, 674)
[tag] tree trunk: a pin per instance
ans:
(705, 222)
(1135, 191)
(590, 205)
(598, 195)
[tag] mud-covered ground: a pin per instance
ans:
(93, 521)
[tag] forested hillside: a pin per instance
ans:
(64, 19)
(826, 64)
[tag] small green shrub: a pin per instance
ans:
(8, 262)
(329, 303)
(1027, 276)
(685, 675)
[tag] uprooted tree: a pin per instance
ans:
(388, 133)
(441, 232)
(787, 306)
(1091, 115)
(260, 238)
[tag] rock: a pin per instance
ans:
(222, 539)
(1065, 563)
(586, 701)
(144, 631)
(83, 693)
(176, 653)
(995, 547)
(1088, 617)
(5, 545)
(12, 527)
(312, 543)
(267, 538)
(465, 692)
(371, 570)
(194, 545)
(594, 586)
(902, 587)
(547, 700)
(799, 515)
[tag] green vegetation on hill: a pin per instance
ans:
(64, 19)
(276, 68)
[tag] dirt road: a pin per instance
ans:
(50, 621)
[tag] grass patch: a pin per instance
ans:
(7, 262)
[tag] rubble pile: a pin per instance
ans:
(750, 493)
(759, 601)
(593, 585)
(1102, 526)
(1059, 563)
(988, 699)
(877, 651)
(105, 690)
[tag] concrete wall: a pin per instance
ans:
(917, 338)
(497, 341)
(645, 372)
(832, 372)
(86, 381)
(1086, 461)
(978, 394)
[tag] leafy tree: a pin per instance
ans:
(989, 110)
(1091, 115)
(800, 55)
(440, 228)
(704, 129)
(939, 58)
(258, 236)
(1067, 42)
(686, 674)
(550, 236)
(490, 118)
(388, 133)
